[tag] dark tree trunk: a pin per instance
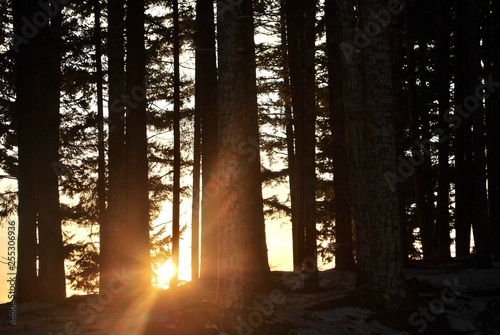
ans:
(309, 146)
(195, 207)
(463, 156)
(397, 51)
(206, 106)
(418, 156)
(480, 221)
(355, 134)
(443, 74)
(293, 12)
(301, 47)
(491, 47)
(343, 217)
(38, 82)
(136, 170)
(429, 186)
(112, 248)
(243, 263)
(290, 141)
(51, 255)
(177, 151)
(489, 38)
(27, 79)
(496, 106)
(195, 226)
(101, 163)
(372, 152)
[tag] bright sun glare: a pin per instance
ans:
(165, 273)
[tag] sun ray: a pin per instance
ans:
(164, 273)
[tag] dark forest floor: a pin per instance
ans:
(453, 298)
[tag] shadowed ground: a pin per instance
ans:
(450, 298)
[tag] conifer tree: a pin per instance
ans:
(243, 264)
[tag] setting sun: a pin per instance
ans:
(165, 272)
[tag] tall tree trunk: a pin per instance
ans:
(429, 186)
(136, 171)
(343, 218)
(27, 79)
(463, 170)
(51, 254)
(372, 132)
(243, 263)
(491, 47)
(37, 67)
(355, 133)
(293, 11)
(176, 203)
(309, 147)
(488, 37)
(301, 32)
(496, 105)
(101, 163)
(195, 207)
(112, 243)
(206, 106)
(396, 28)
(290, 141)
(480, 222)
(443, 74)
(418, 157)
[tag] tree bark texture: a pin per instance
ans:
(243, 263)
(343, 216)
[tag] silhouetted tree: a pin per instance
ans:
(372, 153)
(243, 263)
(206, 106)
(176, 203)
(443, 74)
(112, 247)
(343, 217)
(38, 81)
(136, 168)
(300, 16)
